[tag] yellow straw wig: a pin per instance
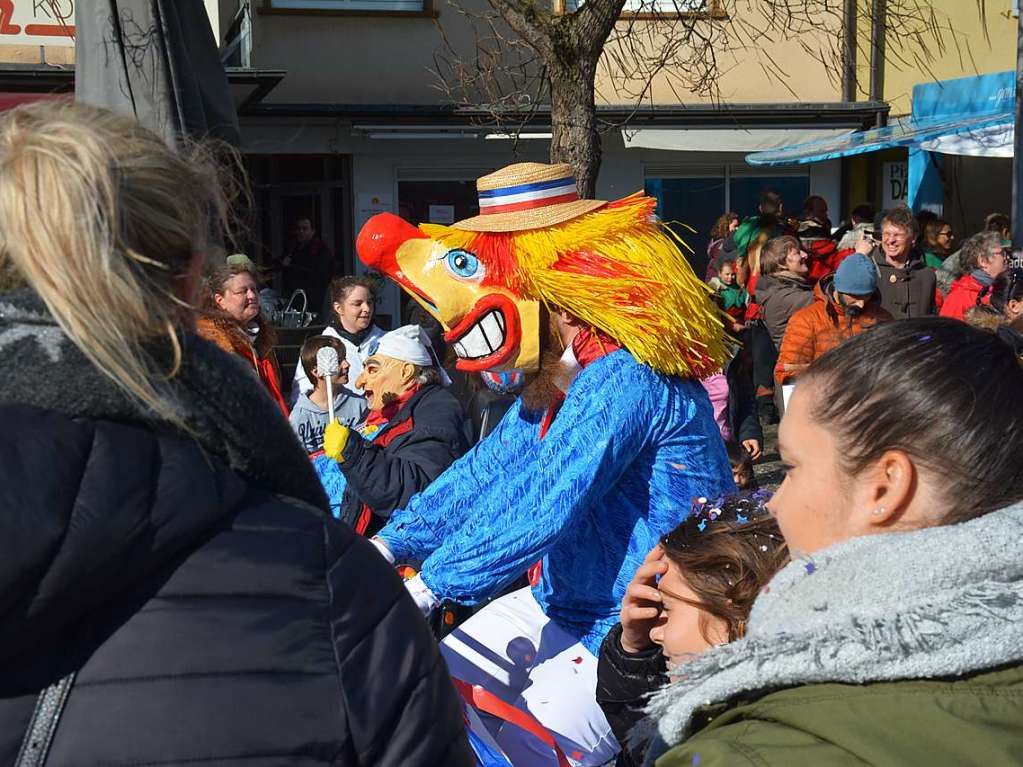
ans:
(617, 269)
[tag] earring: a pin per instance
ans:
(878, 511)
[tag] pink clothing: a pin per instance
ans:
(717, 388)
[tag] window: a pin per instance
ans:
(401, 6)
(697, 197)
(662, 7)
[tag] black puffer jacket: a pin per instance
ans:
(214, 613)
(623, 683)
(428, 434)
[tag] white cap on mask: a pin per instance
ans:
(409, 343)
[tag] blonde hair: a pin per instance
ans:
(103, 220)
(753, 252)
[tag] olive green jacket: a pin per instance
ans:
(901, 648)
(973, 721)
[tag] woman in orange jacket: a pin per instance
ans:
(231, 319)
(844, 306)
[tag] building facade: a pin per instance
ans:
(343, 115)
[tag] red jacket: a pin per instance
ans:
(824, 258)
(962, 297)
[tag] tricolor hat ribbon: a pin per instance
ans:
(528, 196)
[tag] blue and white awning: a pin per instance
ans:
(985, 135)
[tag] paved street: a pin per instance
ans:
(768, 470)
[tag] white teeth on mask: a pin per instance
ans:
(483, 339)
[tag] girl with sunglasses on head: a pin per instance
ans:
(694, 590)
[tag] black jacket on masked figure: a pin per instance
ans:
(212, 610)
(428, 434)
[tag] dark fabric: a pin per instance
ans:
(427, 435)
(742, 398)
(623, 682)
(907, 292)
(781, 295)
(224, 405)
(764, 353)
(311, 269)
(355, 338)
(1013, 338)
(212, 614)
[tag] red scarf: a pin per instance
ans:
(588, 346)
(385, 414)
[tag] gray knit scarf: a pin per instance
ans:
(943, 601)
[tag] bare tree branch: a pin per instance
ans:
(524, 56)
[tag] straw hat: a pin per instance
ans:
(527, 195)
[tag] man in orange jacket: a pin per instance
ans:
(844, 306)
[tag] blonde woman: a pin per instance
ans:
(171, 581)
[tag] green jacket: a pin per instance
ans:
(973, 721)
(902, 648)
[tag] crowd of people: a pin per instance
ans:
(795, 288)
(204, 562)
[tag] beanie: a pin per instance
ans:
(856, 276)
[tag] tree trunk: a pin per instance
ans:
(574, 136)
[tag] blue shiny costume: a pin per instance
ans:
(620, 466)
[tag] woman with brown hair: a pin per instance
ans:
(231, 319)
(172, 587)
(694, 591)
(353, 303)
(937, 244)
(783, 287)
(895, 636)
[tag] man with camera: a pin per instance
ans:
(907, 286)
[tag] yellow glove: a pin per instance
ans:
(334, 440)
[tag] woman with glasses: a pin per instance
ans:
(937, 244)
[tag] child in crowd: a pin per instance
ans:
(694, 590)
(732, 296)
(310, 414)
(742, 466)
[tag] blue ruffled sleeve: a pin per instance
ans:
(432, 516)
(607, 420)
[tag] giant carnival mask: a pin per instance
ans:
(612, 265)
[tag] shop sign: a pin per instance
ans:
(894, 180)
(37, 22)
(442, 214)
